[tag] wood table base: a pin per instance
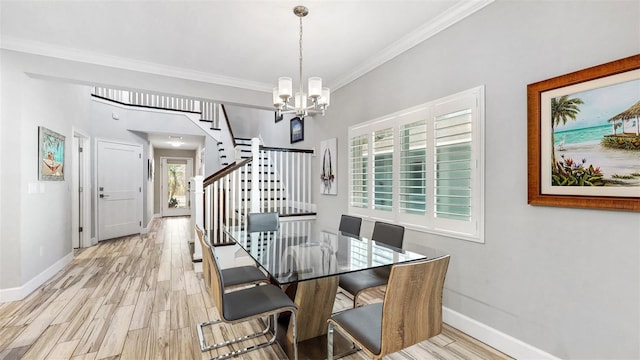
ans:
(315, 300)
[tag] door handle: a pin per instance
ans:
(103, 196)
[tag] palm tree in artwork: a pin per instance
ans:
(563, 109)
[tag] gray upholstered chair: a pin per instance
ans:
(245, 305)
(411, 311)
(233, 277)
(350, 225)
(356, 282)
(269, 221)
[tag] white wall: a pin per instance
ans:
(38, 90)
(35, 236)
(566, 281)
(251, 122)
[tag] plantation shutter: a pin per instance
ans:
(383, 169)
(422, 167)
(359, 158)
(453, 165)
(413, 168)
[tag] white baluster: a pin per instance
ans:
(255, 168)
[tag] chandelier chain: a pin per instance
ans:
(300, 43)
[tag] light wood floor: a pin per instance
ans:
(139, 297)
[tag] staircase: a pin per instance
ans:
(271, 180)
(253, 178)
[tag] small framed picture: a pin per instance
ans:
(278, 117)
(297, 129)
(50, 155)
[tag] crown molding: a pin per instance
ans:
(448, 18)
(66, 53)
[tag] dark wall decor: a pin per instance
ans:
(297, 129)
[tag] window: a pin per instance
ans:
(425, 165)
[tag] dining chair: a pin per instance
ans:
(411, 311)
(268, 221)
(244, 305)
(232, 277)
(350, 224)
(356, 282)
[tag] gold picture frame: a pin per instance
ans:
(584, 138)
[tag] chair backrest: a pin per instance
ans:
(206, 266)
(412, 307)
(350, 224)
(390, 234)
(211, 271)
(269, 221)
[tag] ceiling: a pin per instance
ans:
(246, 44)
(175, 141)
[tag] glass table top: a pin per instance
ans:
(301, 250)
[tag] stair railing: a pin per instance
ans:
(273, 179)
(207, 109)
(225, 197)
(287, 180)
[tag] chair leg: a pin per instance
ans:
(330, 355)
(204, 347)
(295, 334)
(330, 342)
(252, 347)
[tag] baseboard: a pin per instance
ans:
(494, 338)
(145, 230)
(19, 293)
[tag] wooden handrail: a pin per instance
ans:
(226, 118)
(269, 148)
(225, 171)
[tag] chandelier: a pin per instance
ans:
(303, 105)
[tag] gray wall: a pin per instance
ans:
(566, 281)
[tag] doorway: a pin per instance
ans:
(175, 175)
(81, 193)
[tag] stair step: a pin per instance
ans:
(286, 211)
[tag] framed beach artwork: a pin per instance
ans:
(328, 167)
(296, 129)
(584, 138)
(50, 155)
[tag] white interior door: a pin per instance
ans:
(119, 174)
(175, 198)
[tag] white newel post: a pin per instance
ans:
(197, 211)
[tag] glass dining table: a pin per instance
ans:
(309, 258)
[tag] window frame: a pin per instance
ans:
(472, 230)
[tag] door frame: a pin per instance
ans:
(95, 176)
(81, 179)
(163, 183)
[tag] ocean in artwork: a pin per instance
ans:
(592, 134)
